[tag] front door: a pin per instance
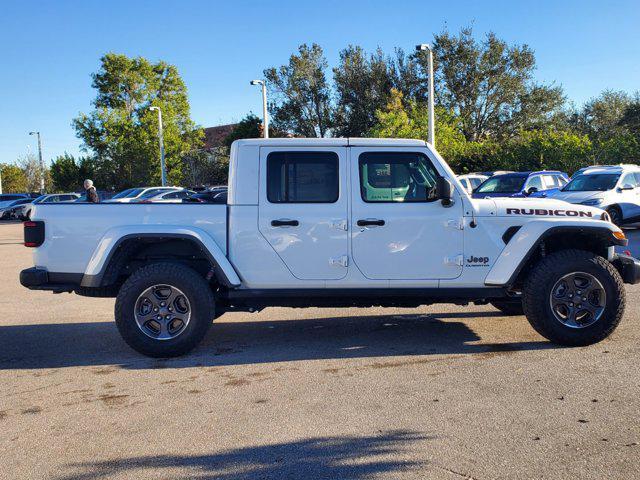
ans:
(400, 231)
(630, 196)
(303, 209)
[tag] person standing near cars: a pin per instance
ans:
(92, 194)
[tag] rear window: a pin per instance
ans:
(502, 184)
(302, 177)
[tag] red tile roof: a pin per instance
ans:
(214, 136)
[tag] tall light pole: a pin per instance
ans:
(265, 113)
(41, 162)
(431, 138)
(163, 170)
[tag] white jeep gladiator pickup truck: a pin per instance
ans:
(333, 222)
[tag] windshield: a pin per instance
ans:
(594, 182)
(128, 193)
(7, 198)
(502, 184)
(155, 191)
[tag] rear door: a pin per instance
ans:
(399, 230)
(303, 205)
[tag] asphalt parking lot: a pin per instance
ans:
(442, 392)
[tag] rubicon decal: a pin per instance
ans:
(544, 211)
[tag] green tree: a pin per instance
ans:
(631, 118)
(121, 132)
(363, 84)
(489, 85)
(68, 173)
(608, 121)
(32, 171)
(412, 121)
(251, 127)
(13, 179)
(545, 149)
(300, 95)
(206, 167)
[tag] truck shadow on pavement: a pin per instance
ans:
(255, 342)
(318, 458)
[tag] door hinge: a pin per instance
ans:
(458, 260)
(342, 261)
(457, 224)
(340, 225)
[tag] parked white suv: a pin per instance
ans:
(471, 180)
(615, 189)
(333, 222)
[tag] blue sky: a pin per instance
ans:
(49, 49)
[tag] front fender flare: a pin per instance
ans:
(108, 244)
(527, 239)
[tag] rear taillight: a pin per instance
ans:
(33, 233)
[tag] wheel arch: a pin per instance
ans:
(116, 248)
(532, 242)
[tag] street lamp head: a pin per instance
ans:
(257, 82)
(423, 47)
(153, 109)
(33, 133)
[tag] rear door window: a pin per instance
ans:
(302, 177)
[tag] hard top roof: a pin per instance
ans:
(611, 169)
(331, 142)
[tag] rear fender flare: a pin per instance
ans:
(108, 244)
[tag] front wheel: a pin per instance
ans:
(164, 310)
(616, 215)
(574, 298)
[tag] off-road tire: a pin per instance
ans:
(545, 274)
(509, 307)
(196, 290)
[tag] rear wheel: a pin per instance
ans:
(164, 310)
(509, 307)
(574, 297)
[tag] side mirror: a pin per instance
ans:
(531, 190)
(444, 190)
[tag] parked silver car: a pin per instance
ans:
(9, 209)
(24, 212)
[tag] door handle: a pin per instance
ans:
(370, 222)
(283, 222)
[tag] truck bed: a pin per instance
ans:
(73, 231)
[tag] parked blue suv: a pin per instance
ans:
(520, 184)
